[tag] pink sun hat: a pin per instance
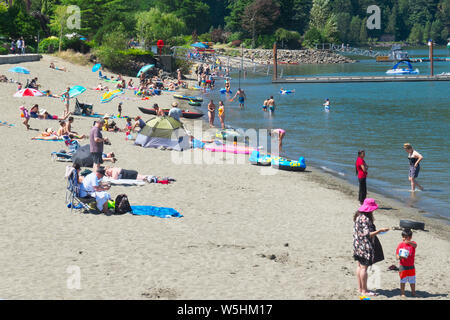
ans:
(369, 205)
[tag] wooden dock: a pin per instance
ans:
(347, 79)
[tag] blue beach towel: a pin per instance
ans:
(155, 211)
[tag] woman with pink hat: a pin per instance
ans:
(367, 248)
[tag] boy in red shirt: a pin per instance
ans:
(406, 251)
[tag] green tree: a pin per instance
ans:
(416, 34)
(59, 22)
(320, 13)
(195, 13)
(355, 30)
(343, 26)
(426, 32)
(154, 24)
(234, 19)
(259, 17)
(436, 31)
(392, 24)
(363, 32)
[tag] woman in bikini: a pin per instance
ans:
(280, 133)
(222, 114)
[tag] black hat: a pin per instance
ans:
(101, 170)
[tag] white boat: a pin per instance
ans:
(396, 70)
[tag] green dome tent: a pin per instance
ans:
(164, 132)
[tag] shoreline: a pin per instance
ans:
(419, 213)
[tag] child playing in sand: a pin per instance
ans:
(406, 252)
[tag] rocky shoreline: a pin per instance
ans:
(307, 56)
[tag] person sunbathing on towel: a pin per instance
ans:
(48, 134)
(52, 66)
(119, 173)
(93, 187)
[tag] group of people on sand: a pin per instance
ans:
(367, 250)
(366, 246)
(65, 129)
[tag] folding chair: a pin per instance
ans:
(82, 109)
(73, 198)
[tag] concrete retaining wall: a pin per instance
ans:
(18, 58)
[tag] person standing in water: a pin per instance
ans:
(222, 114)
(211, 113)
(327, 104)
(279, 133)
(266, 102)
(241, 98)
(414, 166)
(271, 104)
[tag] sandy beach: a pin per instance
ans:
(244, 234)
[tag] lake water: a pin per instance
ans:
(376, 117)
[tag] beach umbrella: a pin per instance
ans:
(19, 70)
(199, 45)
(28, 92)
(145, 69)
(96, 67)
(76, 90)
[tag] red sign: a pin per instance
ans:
(160, 44)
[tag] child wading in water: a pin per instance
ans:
(406, 251)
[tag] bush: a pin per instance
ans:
(184, 65)
(50, 45)
(30, 49)
(136, 52)
(205, 37)
(234, 36)
(76, 45)
(313, 37)
(3, 51)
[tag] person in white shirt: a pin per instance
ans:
(91, 186)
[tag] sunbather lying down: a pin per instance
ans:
(119, 173)
(49, 134)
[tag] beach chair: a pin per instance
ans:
(64, 156)
(101, 76)
(73, 199)
(82, 109)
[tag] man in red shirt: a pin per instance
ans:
(406, 252)
(361, 170)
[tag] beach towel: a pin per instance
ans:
(160, 212)
(124, 182)
(40, 139)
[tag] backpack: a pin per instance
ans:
(122, 205)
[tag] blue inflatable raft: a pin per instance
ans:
(289, 165)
